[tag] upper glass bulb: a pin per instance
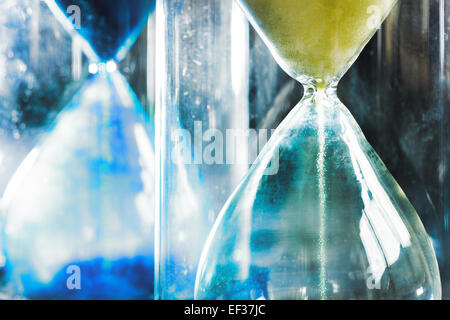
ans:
(316, 39)
(110, 27)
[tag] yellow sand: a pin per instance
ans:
(317, 38)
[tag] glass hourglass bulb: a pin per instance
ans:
(332, 223)
(78, 220)
(109, 27)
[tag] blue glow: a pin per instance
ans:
(102, 279)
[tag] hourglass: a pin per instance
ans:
(332, 223)
(79, 210)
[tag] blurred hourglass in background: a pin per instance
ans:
(79, 209)
(40, 69)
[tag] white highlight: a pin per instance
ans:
(383, 232)
(18, 176)
(239, 48)
(420, 291)
(111, 66)
(77, 58)
(122, 88)
(144, 200)
(93, 68)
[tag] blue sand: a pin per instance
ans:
(252, 288)
(100, 279)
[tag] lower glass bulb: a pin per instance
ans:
(331, 223)
(79, 211)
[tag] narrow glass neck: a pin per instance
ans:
(102, 68)
(313, 90)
